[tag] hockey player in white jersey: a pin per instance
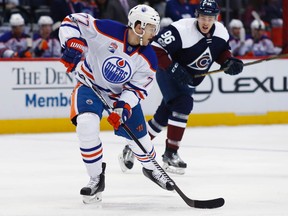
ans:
(121, 64)
(185, 48)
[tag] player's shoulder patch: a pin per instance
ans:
(110, 28)
(221, 31)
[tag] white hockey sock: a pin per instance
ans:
(90, 144)
(140, 155)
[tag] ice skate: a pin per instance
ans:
(126, 159)
(159, 178)
(172, 163)
(92, 193)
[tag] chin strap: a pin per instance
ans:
(140, 36)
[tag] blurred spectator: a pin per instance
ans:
(85, 6)
(252, 5)
(15, 43)
(44, 45)
(7, 7)
(9, 4)
(273, 12)
(237, 37)
(259, 44)
(101, 5)
(118, 10)
(61, 8)
(178, 9)
(158, 5)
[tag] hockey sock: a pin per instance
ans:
(90, 144)
(140, 155)
(176, 127)
(154, 128)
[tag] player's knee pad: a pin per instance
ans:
(162, 113)
(88, 127)
(182, 104)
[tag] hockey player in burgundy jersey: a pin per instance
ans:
(185, 48)
(121, 64)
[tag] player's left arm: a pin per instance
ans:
(138, 87)
(135, 90)
(230, 64)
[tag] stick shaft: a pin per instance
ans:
(245, 64)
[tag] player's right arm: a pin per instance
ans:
(77, 25)
(73, 32)
(165, 45)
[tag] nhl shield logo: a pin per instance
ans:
(112, 47)
(116, 70)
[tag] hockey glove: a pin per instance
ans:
(180, 74)
(43, 45)
(40, 49)
(24, 54)
(73, 53)
(234, 66)
(121, 113)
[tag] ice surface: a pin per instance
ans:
(41, 175)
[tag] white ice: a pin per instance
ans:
(41, 175)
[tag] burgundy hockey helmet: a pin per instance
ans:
(208, 8)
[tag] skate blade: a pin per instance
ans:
(174, 170)
(96, 198)
(121, 163)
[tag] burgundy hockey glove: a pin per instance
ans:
(234, 66)
(180, 74)
(73, 53)
(121, 113)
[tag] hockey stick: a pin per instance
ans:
(213, 203)
(246, 64)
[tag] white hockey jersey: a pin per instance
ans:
(119, 70)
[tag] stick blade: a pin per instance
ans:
(209, 204)
(203, 204)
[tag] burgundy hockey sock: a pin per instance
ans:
(174, 136)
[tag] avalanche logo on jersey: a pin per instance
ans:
(202, 62)
(116, 70)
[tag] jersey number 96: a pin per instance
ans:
(166, 38)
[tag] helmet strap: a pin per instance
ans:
(139, 35)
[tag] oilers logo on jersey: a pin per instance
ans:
(202, 62)
(116, 70)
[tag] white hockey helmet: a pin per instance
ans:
(235, 23)
(257, 24)
(16, 20)
(45, 20)
(145, 14)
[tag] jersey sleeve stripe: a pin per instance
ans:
(88, 74)
(140, 93)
